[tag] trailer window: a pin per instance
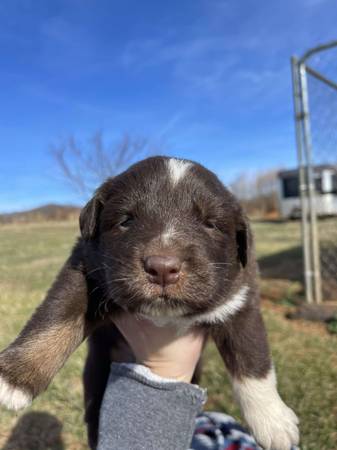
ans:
(318, 184)
(334, 183)
(290, 187)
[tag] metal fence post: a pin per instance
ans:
(317, 152)
(302, 181)
(311, 186)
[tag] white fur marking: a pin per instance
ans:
(168, 235)
(177, 169)
(12, 397)
(273, 424)
(228, 309)
(161, 316)
(174, 317)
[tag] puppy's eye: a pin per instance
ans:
(126, 222)
(209, 224)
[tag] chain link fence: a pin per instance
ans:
(315, 101)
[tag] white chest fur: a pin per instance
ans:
(218, 315)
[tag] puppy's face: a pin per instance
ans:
(169, 239)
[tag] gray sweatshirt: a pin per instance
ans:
(142, 411)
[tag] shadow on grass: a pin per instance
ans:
(286, 264)
(36, 431)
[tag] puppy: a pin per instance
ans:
(165, 239)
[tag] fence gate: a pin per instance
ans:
(315, 105)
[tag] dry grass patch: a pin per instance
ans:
(305, 355)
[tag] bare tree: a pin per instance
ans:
(84, 167)
(242, 185)
(257, 192)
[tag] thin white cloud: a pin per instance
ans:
(169, 126)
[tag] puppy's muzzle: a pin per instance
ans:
(163, 270)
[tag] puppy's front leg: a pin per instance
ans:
(56, 328)
(243, 345)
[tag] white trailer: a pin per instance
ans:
(325, 177)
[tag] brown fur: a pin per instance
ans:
(105, 275)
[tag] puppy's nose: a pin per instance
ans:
(163, 270)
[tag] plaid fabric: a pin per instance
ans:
(217, 431)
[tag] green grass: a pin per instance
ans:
(305, 356)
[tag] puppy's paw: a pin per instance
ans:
(273, 424)
(13, 394)
(275, 427)
(13, 397)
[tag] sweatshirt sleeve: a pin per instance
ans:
(142, 411)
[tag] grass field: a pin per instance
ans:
(305, 355)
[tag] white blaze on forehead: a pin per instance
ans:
(168, 234)
(177, 169)
(273, 423)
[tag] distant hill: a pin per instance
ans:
(50, 212)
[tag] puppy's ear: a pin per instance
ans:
(89, 216)
(243, 237)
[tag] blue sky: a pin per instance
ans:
(210, 78)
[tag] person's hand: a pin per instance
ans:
(165, 352)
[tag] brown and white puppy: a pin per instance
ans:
(167, 240)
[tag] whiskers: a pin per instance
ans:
(219, 264)
(114, 291)
(122, 283)
(120, 261)
(94, 270)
